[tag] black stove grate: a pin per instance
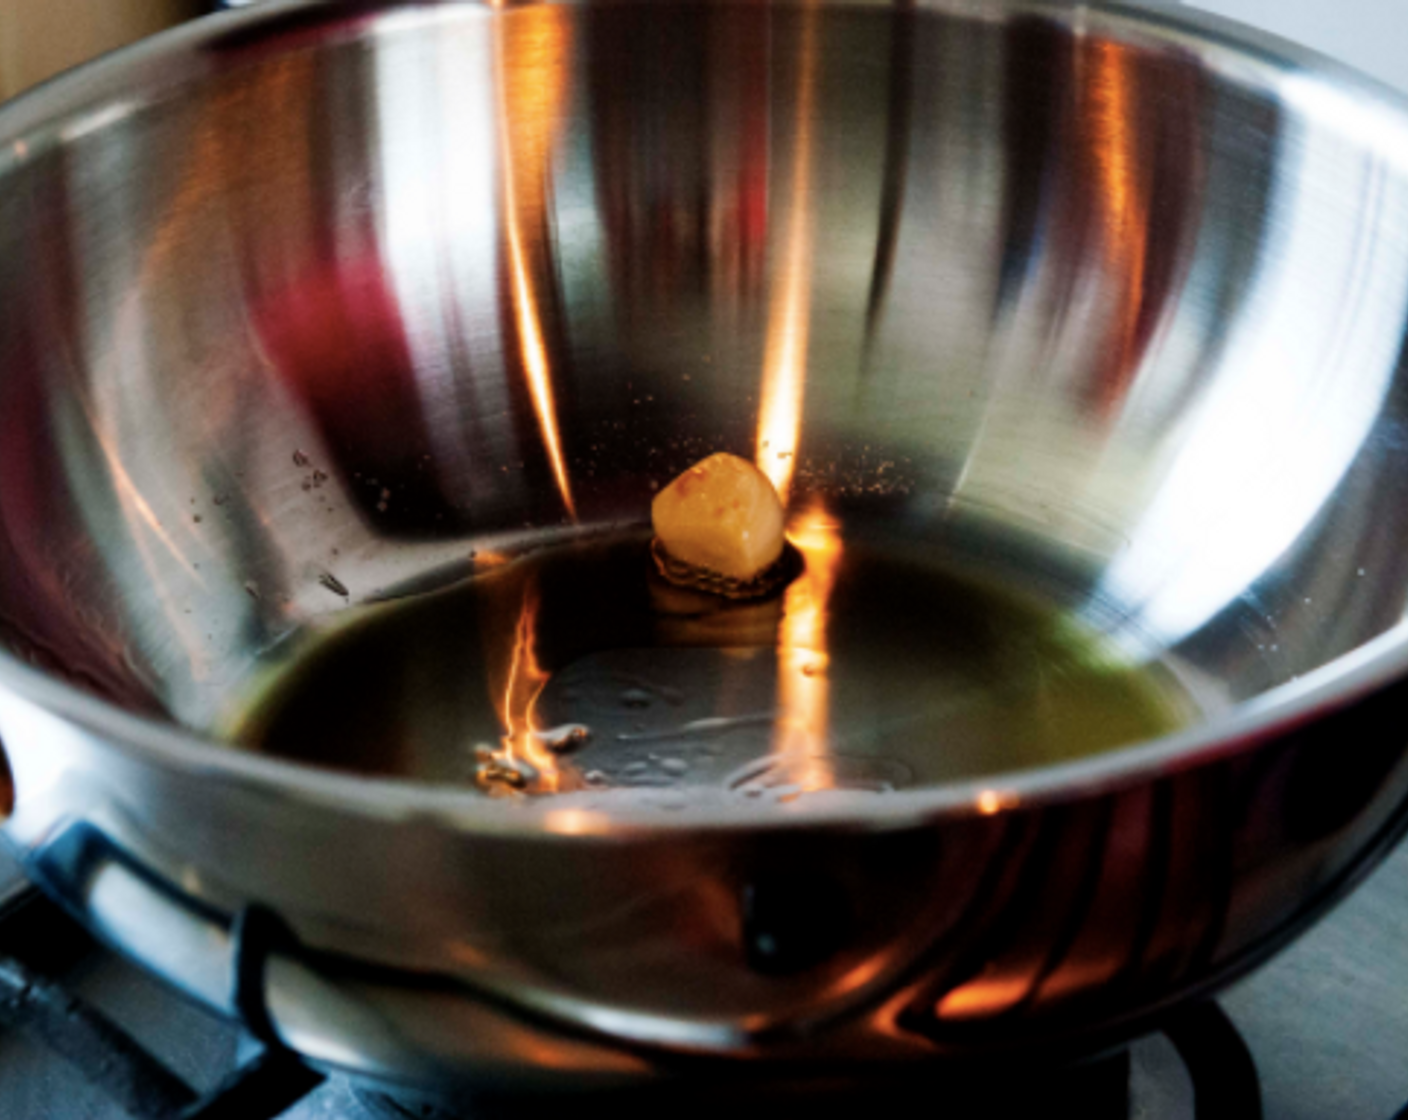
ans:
(1218, 1064)
(109, 1058)
(1226, 1085)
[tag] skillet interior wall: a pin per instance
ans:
(1130, 324)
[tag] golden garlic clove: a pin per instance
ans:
(721, 515)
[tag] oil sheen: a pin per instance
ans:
(576, 667)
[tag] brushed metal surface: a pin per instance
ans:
(1112, 298)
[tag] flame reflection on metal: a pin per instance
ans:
(992, 801)
(532, 89)
(1122, 203)
(789, 316)
(803, 690)
(982, 998)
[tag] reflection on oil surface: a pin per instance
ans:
(577, 668)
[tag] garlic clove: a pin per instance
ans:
(721, 515)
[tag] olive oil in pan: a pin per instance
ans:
(577, 667)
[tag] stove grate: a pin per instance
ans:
(112, 1061)
(1219, 1066)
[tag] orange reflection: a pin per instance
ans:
(532, 85)
(789, 317)
(191, 197)
(992, 801)
(983, 998)
(134, 502)
(803, 659)
(1113, 141)
(576, 822)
